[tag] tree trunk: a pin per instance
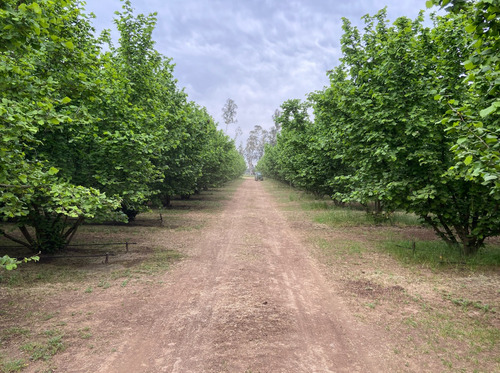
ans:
(70, 233)
(165, 201)
(470, 244)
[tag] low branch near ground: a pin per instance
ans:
(14, 239)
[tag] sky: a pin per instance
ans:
(259, 53)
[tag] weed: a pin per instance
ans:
(160, 261)
(466, 303)
(10, 366)
(44, 351)
(371, 305)
(85, 333)
(410, 321)
(51, 332)
(14, 331)
(89, 289)
(104, 284)
(47, 316)
(447, 363)
(127, 273)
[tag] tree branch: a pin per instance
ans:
(15, 186)
(27, 235)
(12, 238)
(68, 236)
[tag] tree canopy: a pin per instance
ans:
(93, 132)
(405, 124)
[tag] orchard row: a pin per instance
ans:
(93, 130)
(410, 121)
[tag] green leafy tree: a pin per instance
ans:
(35, 101)
(93, 134)
(475, 119)
(378, 136)
(304, 153)
(221, 161)
(292, 142)
(399, 155)
(183, 164)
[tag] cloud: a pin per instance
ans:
(257, 52)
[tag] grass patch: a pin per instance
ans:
(30, 274)
(344, 217)
(317, 205)
(159, 262)
(325, 211)
(10, 366)
(400, 218)
(467, 304)
(85, 333)
(12, 332)
(44, 350)
(438, 254)
(478, 335)
(123, 273)
(331, 251)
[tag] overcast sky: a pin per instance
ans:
(257, 52)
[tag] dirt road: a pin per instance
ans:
(249, 298)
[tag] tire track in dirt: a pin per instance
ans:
(248, 299)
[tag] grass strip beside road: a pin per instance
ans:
(437, 308)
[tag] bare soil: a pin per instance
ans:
(253, 293)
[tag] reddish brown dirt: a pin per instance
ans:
(248, 298)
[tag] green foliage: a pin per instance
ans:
(475, 119)
(92, 134)
(40, 63)
(44, 350)
(9, 366)
(378, 137)
(222, 162)
(9, 263)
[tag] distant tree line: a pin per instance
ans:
(89, 132)
(410, 121)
